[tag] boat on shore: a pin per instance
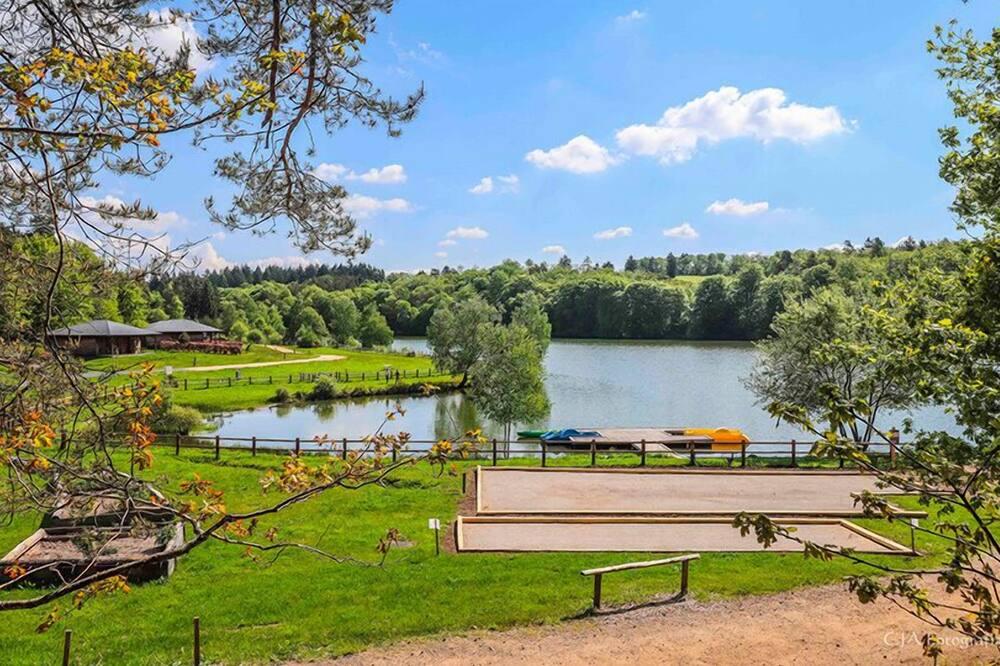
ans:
(723, 440)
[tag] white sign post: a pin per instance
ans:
(914, 524)
(435, 524)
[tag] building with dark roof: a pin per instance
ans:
(174, 329)
(103, 337)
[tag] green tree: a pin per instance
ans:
(711, 313)
(821, 345)
(530, 314)
(508, 380)
(373, 331)
(454, 334)
(132, 304)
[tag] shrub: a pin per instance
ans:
(281, 395)
(325, 389)
(306, 337)
(177, 419)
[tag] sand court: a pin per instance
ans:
(554, 491)
(594, 534)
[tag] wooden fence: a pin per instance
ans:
(789, 453)
(344, 377)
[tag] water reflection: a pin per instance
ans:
(590, 384)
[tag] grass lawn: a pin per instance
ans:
(242, 395)
(301, 606)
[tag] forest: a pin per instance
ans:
(688, 296)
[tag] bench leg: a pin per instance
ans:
(597, 591)
(684, 578)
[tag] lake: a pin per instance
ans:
(590, 383)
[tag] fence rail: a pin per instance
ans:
(790, 453)
(341, 377)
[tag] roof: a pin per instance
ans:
(101, 328)
(182, 326)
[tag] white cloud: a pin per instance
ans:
(554, 249)
(163, 221)
(204, 257)
(631, 17)
(684, 230)
(508, 185)
(512, 182)
(835, 247)
(441, 255)
(169, 33)
(485, 186)
(737, 207)
(330, 172)
(447, 242)
(580, 154)
(905, 240)
(363, 207)
(764, 114)
(471, 233)
(391, 174)
(617, 232)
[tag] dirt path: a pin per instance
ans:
(821, 625)
(281, 349)
(261, 364)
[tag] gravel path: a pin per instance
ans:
(813, 626)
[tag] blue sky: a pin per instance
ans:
(805, 123)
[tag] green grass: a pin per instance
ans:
(243, 395)
(187, 359)
(301, 606)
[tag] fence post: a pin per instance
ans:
(230, 382)
(185, 384)
(270, 379)
(298, 444)
(544, 451)
(642, 455)
(250, 381)
(593, 453)
(691, 451)
(177, 444)
(67, 641)
(344, 454)
(197, 642)
(684, 577)
(206, 382)
(253, 445)
(795, 462)
(743, 454)
(597, 591)
(216, 447)
(494, 451)
(289, 379)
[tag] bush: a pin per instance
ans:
(325, 389)
(307, 338)
(177, 419)
(281, 395)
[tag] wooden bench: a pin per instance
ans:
(683, 560)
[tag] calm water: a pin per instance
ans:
(590, 383)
